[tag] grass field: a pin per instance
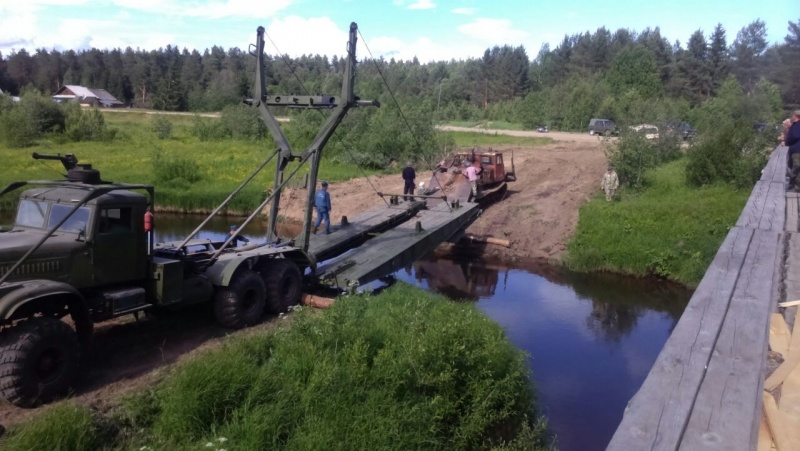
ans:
(402, 370)
(668, 229)
(214, 168)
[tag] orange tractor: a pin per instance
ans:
(451, 180)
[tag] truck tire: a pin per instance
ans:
(284, 285)
(39, 359)
(241, 303)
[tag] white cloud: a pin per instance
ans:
(464, 11)
(422, 4)
(493, 31)
(209, 10)
(292, 36)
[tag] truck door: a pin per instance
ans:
(115, 247)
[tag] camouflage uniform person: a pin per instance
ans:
(610, 183)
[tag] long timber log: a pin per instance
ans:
(705, 388)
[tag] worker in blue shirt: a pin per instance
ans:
(238, 238)
(322, 202)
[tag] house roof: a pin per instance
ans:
(72, 91)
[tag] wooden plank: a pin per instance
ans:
(782, 164)
(768, 173)
(789, 303)
(777, 426)
(754, 208)
(789, 406)
(791, 213)
(790, 361)
(779, 335)
(764, 435)
(657, 414)
(727, 409)
(773, 215)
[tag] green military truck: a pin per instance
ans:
(81, 251)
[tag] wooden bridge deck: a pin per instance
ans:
(705, 388)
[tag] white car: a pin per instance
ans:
(649, 131)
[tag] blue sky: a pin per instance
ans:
(427, 29)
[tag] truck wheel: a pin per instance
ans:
(284, 285)
(39, 359)
(241, 303)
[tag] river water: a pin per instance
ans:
(590, 339)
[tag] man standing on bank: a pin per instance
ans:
(408, 176)
(793, 142)
(322, 202)
(610, 183)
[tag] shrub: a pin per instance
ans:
(161, 126)
(209, 129)
(177, 170)
(243, 122)
(86, 125)
(15, 128)
(22, 123)
(729, 154)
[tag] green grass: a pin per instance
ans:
(468, 139)
(401, 370)
(131, 156)
(221, 165)
(668, 229)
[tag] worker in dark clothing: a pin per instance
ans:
(408, 176)
(238, 238)
(793, 142)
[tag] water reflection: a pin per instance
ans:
(591, 338)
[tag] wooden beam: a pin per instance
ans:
(773, 215)
(791, 213)
(790, 407)
(776, 425)
(764, 435)
(727, 408)
(656, 416)
(789, 303)
(754, 208)
(779, 335)
(789, 362)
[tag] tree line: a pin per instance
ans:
(617, 75)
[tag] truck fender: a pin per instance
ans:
(220, 274)
(29, 293)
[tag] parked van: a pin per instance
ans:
(602, 127)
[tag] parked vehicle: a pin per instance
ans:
(682, 129)
(542, 129)
(603, 127)
(649, 131)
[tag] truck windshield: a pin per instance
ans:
(31, 213)
(75, 223)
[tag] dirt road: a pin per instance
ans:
(538, 215)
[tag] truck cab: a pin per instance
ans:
(102, 243)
